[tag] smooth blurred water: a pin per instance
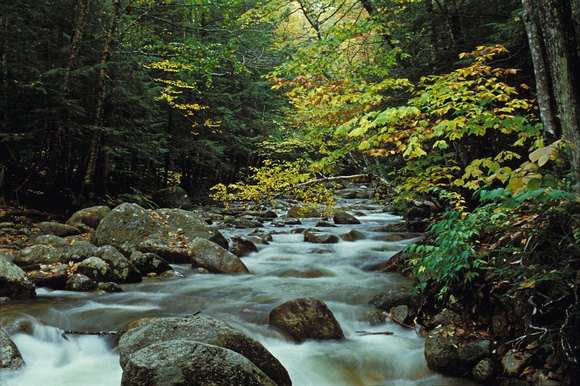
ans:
(244, 302)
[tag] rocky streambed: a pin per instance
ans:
(170, 296)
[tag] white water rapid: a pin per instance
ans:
(244, 301)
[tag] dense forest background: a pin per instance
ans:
(100, 98)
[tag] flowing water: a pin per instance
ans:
(335, 273)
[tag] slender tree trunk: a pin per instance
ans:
(431, 31)
(95, 146)
(541, 74)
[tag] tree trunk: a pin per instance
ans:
(559, 32)
(542, 85)
(95, 146)
(431, 32)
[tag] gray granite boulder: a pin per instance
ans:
(205, 329)
(185, 362)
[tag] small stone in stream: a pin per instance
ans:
(342, 217)
(54, 277)
(320, 237)
(241, 246)
(78, 282)
(110, 287)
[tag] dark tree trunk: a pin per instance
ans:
(95, 145)
(542, 84)
(560, 31)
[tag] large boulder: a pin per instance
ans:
(10, 357)
(125, 227)
(205, 329)
(185, 362)
(90, 217)
(447, 352)
(304, 319)
(209, 255)
(14, 283)
(168, 233)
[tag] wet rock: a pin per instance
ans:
(242, 246)
(183, 225)
(96, 269)
(514, 362)
(484, 370)
(209, 255)
(109, 287)
(90, 217)
(320, 237)
(472, 352)
(81, 283)
(304, 273)
(387, 300)
(167, 232)
(306, 318)
(52, 240)
(52, 276)
(418, 213)
(123, 270)
(148, 263)
(441, 353)
(184, 362)
(205, 329)
(325, 224)
(342, 217)
(301, 211)
(244, 223)
(353, 235)
(175, 197)
(259, 240)
(77, 251)
(14, 283)
(446, 317)
(39, 254)
(125, 227)
(57, 229)
(403, 314)
(10, 357)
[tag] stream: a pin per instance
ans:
(335, 274)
